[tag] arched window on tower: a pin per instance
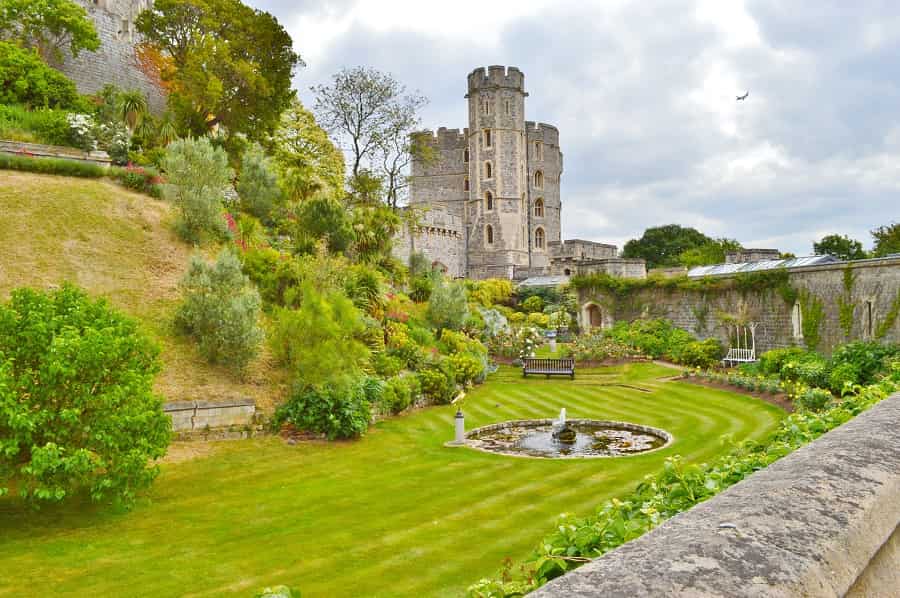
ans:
(487, 138)
(538, 180)
(539, 238)
(539, 208)
(466, 184)
(488, 170)
(489, 234)
(488, 201)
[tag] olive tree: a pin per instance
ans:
(77, 408)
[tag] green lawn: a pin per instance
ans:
(395, 514)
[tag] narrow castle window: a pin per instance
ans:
(539, 208)
(508, 109)
(486, 105)
(488, 170)
(539, 238)
(869, 319)
(489, 234)
(466, 156)
(538, 150)
(797, 321)
(466, 184)
(487, 138)
(488, 201)
(538, 180)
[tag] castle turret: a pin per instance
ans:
(497, 210)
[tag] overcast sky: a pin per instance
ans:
(643, 93)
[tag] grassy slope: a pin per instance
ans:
(395, 514)
(119, 245)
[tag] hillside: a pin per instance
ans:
(118, 245)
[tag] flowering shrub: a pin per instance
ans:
(596, 347)
(467, 368)
(438, 383)
(82, 131)
(526, 341)
(751, 383)
(139, 178)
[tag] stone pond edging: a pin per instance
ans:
(669, 438)
(822, 521)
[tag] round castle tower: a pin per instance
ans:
(496, 212)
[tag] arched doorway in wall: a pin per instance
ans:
(591, 317)
(438, 266)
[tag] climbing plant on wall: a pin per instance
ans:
(813, 313)
(890, 319)
(846, 306)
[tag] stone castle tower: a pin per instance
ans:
(117, 61)
(496, 185)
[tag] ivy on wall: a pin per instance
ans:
(846, 306)
(813, 314)
(890, 319)
(745, 283)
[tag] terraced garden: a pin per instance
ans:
(395, 514)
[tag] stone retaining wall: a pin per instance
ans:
(820, 522)
(40, 150)
(202, 419)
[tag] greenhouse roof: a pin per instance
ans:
(797, 262)
(544, 281)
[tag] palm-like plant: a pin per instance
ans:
(132, 107)
(167, 132)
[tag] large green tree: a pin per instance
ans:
(887, 240)
(230, 65)
(661, 246)
(708, 254)
(840, 246)
(307, 160)
(50, 26)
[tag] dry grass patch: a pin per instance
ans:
(120, 245)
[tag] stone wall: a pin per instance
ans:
(116, 62)
(869, 306)
(822, 521)
(441, 237)
(40, 150)
(202, 416)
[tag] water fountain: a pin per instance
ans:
(561, 431)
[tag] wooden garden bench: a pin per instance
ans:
(548, 367)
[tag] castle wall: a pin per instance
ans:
(872, 304)
(438, 179)
(441, 237)
(116, 61)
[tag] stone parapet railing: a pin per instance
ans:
(204, 419)
(822, 521)
(39, 150)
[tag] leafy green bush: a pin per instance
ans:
(814, 399)
(258, 186)
(320, 340)
(654, 338)
(198, 175)
(386, 365)
(47, 126)
(533, 304)
(341, 410)
(867, 358)
(772, 361)
(399, 393)
(438, 383)
(466, 368)
(51, 166)
(77, 407)
(26, 79)
(701, 354)
(420, 289)
(448, 306)
(221, 309)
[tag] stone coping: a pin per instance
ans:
(669, 438)
(192, 405)
(810, 524)
(40, 150)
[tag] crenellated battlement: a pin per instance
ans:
(495, 77)
(444, 138)
(542, 131)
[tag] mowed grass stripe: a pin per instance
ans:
(394, 514)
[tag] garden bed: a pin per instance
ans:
(779, 400)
